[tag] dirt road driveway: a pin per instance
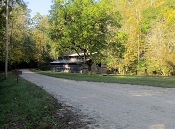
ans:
(113, 106)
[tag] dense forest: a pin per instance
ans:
(130, 36)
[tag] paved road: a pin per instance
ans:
(113, 106)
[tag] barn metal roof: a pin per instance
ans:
(66, 61)
(80, 54)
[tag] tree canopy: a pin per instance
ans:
(84, 26)
(130, 36)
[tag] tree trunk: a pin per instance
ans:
(146, 72)
(89, 70)
(6, 45)
(136, 72)
(89, 64)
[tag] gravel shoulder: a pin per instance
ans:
(112, 106)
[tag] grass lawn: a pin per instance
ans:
(26, 106)
(158, 81)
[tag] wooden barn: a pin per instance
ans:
(68, 63)
(73, 63)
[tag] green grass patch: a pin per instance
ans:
(158, 81)
(26, 106)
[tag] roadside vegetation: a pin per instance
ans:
(158, 81)
(26, 106)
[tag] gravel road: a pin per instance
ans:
(113, 106)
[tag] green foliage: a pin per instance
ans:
(28, 40)
(43, 45)
(20, 38)
(149, 18)
(113, 55)
(170, 3)
(20, 41)
(2, 32)
(83, 26)
(127, 35)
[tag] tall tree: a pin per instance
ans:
(113, 54)
(20, 38)
(83, 26)
(43, 43)
(6, 3)
(132, 15)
